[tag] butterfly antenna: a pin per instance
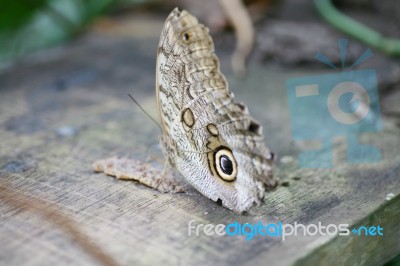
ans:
(165, 168)
(149, 116)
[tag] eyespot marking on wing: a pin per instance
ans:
(225, 164)
(212, 129)
(188, 117)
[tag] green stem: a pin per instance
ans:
(356, 29)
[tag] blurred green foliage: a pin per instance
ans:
(16, 14)
(28, 25)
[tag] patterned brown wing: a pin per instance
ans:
(212, 140)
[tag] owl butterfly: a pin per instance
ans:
(212, 140)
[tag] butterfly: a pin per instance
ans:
(212, 140)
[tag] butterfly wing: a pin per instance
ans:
(212, 140)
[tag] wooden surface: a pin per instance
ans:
(64, 108)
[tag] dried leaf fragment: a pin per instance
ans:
(144, 173)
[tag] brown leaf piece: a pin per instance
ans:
(144, 173)
(241, 21)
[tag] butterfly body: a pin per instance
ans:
(212, 140)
